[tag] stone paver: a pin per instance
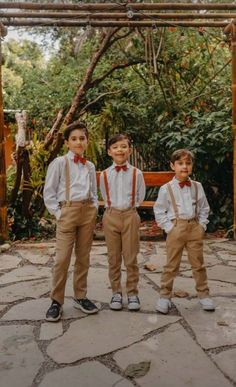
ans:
(40, 257)
(113, 331)
(226, 361)
(20, 356)
(211, 329)
(26, 273)
(175, 360)
(49, 331)
(8, 261)
(29, 289)
(89, 374)
(188, 347)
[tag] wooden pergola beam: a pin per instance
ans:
(117, 6)
(115, 15)
(110, 23)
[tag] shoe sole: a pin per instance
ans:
(162, 311)
(134, 308)
(78, 306)
(116, 307)
(208, 309)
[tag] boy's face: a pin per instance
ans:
(77, 141)
(120, 151)
(182, 167)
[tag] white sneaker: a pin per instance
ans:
(207, 304)
(163, 305)
(116, 302)
(133, 303)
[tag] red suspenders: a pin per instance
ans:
(134, 178)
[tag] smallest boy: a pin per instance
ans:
(181, 209)
(123, 190)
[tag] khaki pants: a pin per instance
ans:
(74, 228)
(121, 228)
(188, 234)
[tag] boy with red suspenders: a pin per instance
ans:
(123, 190)
(181, 209)
(70, 194)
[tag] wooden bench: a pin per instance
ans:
(152, 179)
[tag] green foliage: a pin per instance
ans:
(183, 101)
(20, 227)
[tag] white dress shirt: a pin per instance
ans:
(82, 183)
(120, 187)
(186, 203)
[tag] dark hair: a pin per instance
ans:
(179, 153)
(119, 137)
(76, 125)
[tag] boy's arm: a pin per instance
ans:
(102, 187)
(203, 208)
(50, 189)
(94, 187)
(141, 188)
(160, 211)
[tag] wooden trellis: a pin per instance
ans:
(116, 14)
(120, 14)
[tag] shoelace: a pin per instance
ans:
(133, 299)
(55, 306)
(87, 302)
(116, 298)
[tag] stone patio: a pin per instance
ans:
(188, 347)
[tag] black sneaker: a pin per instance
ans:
(85, 305)
(54, 312)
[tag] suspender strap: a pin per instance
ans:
(90, 181)
(67, 172)
(107, 188)
(173, 200)
(196, 191)
(133, 186)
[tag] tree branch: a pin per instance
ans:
(114, 68)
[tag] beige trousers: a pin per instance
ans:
(121, 229)
(188, 234)
(74, 229)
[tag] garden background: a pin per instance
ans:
(166, 87)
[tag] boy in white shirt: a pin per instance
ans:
(123, 190)
(181, 209)
(70, 193)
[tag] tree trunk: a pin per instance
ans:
(23, 172)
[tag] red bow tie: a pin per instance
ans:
(119, 167)
(183, 183)
(79, 159)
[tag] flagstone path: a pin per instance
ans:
(188, 347)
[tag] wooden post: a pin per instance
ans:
(3, 200)
(233, 48)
